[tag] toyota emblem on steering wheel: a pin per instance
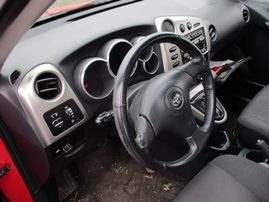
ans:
(177, 100)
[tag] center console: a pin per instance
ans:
(196, 31)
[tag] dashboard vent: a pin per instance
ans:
(246, 15)
(168, 26)
(14, 76)
(47, 86)
(212, 32)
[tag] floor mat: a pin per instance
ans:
(111, 174)
(66, 184)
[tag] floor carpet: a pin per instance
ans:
(111, 174)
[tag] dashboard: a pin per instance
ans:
(59, 79)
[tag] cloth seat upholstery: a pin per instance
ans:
(253, 122)
(228, 178)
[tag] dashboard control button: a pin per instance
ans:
(197, 24)
(186, 57)
(58, 123)
(172, 49)
(69, 112)
(174, 57)
(196, 41)
(182, 28)
(189, 26)
(104, 117)
(67, 147)
(203, 50)
(176, 64)
(54, 115)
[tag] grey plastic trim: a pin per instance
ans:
(177, 21)
(35, 107)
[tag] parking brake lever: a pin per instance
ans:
(225, 70)
(263, 147)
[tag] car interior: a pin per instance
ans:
(173, 92)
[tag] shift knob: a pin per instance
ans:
(264, 147)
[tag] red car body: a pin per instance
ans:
(53, 11)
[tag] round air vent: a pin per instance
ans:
(168, 26)
(212, 32)
(246, 15)
(47, 86)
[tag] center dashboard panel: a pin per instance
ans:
(191, 28)
(196, 32)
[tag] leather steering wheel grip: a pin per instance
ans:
(163, 104)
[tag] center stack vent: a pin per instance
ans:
(212, 32)
(246, 15)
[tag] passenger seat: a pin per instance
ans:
(253, 122)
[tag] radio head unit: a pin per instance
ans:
(198, 38)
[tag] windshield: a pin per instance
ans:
(61, 6)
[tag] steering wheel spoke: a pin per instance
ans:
(144, 133)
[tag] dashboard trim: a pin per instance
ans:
(32, 103)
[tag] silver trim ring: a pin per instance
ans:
(108, 50)
(155, 68)
(86, 65)
(146, 55)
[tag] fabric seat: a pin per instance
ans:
(228, 178)
(253, 122)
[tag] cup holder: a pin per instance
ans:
(256, 156)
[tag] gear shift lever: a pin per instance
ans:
(264, 147)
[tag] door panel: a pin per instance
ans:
(11, 184)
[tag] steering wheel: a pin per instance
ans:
(162, 105)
